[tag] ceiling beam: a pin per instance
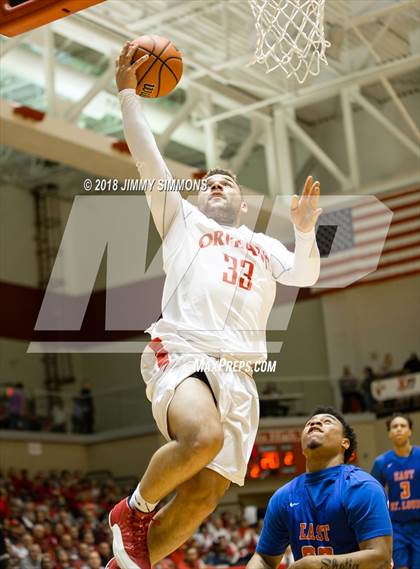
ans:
(11, 43)
(182, 114)
(74, 111)
(386, 123)
(49, 69)
(322, 156)
(145, 24)
(387, 85)
(350, 138)
(315, 93)
(374, 15)
(286, 180)
(247, 145)
(59, 141)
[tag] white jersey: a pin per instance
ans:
(220, 281)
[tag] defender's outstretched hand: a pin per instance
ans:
(304, 210)
(125, 70)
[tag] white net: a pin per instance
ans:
(290, 35)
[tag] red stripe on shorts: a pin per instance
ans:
(162, 356)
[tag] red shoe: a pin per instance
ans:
(112, 564)
(129, 530)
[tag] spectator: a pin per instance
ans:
(220, 554)
(270, 405)
(387, 369)
(63, 561)
(19, 549)
(191, 560)
(58, 417)
(4, 504)
(217, 528)
(105, 552)
(88, 409)
(352, 398)
(247, 543)
(17, 407)
(166, 563)
(46, 561)
(95, 561)
(368, 378)
(33, 560)
(204, 538)
(4, 554)
(38, 534)
(4, 412)
(66, 543)
(83, 555)
(412, 365)
(77, 415)
(89, 538)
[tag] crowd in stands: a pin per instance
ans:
(60, 521)
(19, 412)
(356, 392)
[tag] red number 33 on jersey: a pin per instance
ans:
(245, 278)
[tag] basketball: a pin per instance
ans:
(160, 74)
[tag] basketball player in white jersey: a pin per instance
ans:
(219, 289)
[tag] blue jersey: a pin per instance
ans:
(401, 476)
(328, 512)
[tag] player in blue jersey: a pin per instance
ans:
(335, 516)
(399, 471)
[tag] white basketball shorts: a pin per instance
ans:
(236, 396)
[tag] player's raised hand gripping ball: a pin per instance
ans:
(150, 64)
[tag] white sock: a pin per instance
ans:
(137, 502)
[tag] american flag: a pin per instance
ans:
(364, 242)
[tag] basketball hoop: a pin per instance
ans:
(290, 35)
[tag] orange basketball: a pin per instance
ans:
(160, 74)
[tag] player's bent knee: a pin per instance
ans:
(207, 443)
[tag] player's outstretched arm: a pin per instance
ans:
(163, 204)
(302, 267)
(260, 561)
(374, 554)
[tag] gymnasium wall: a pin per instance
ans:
(372, 319)
(18, 263)
(125, 456)
(18, 366)
(304, 337)
(19, 290)
(35, 455)
(119, 390)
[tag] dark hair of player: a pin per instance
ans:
(347, 429)
(223, 172)
(401, 416)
